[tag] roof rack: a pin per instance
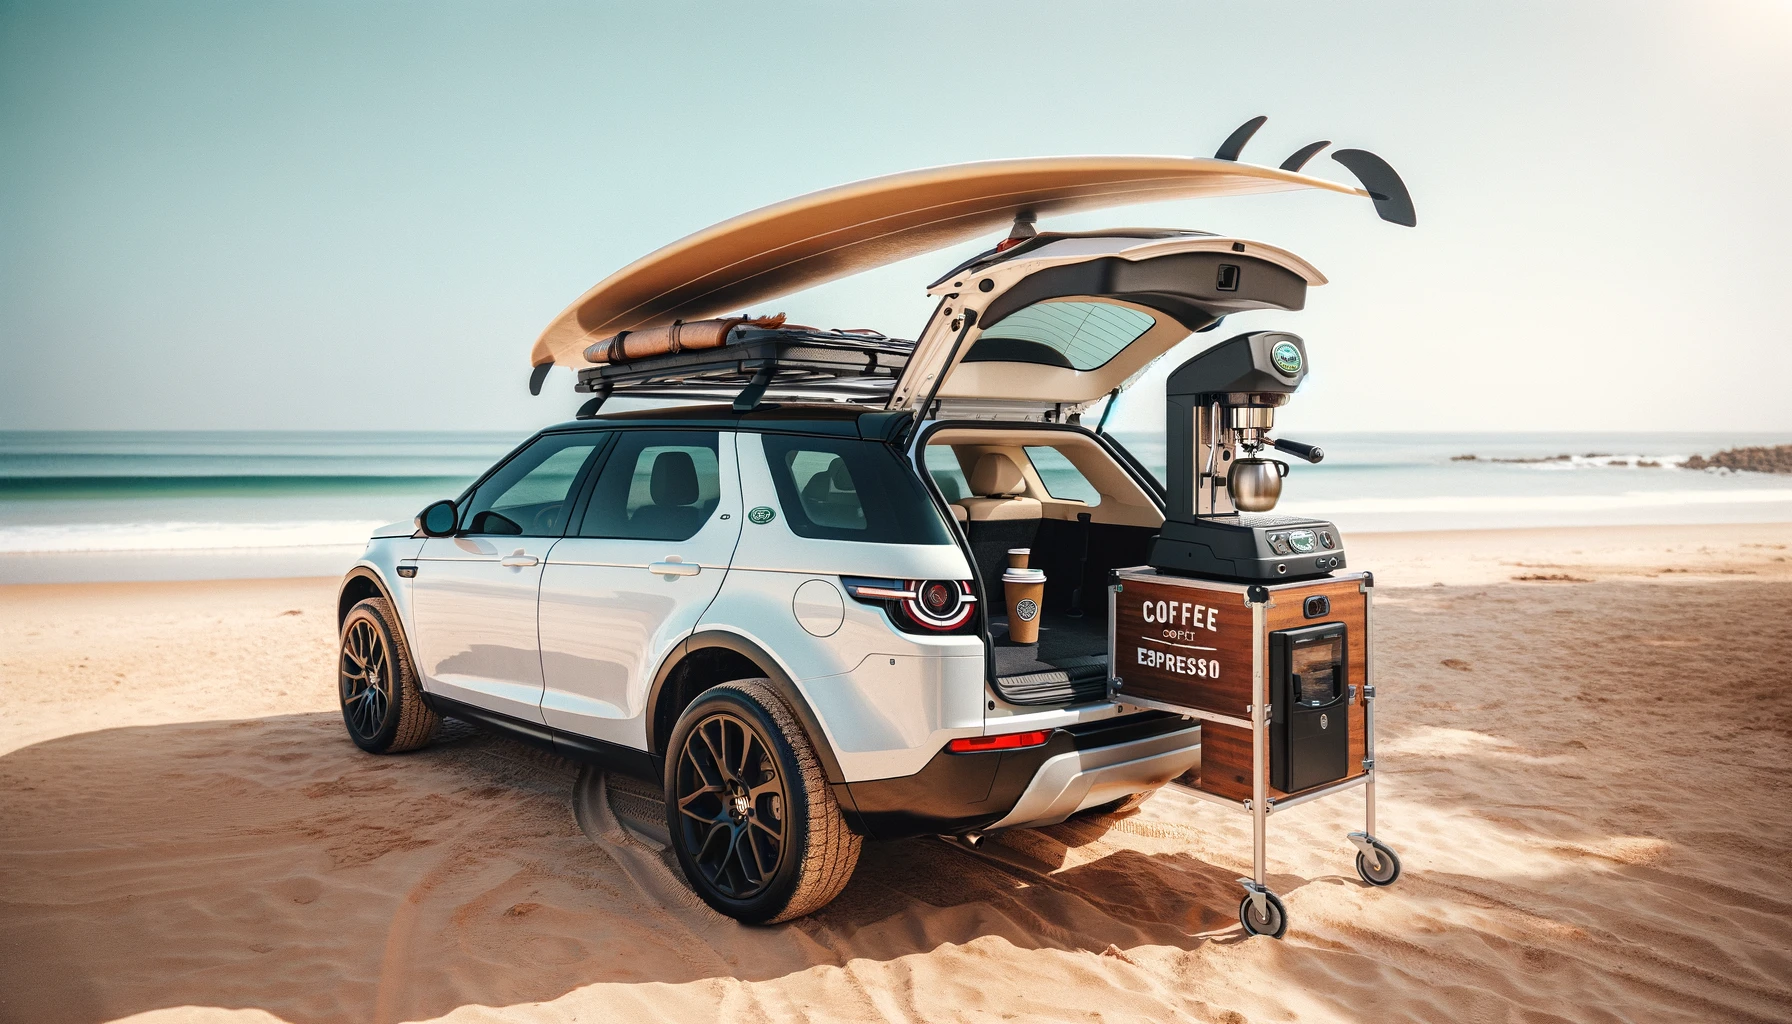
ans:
(838, 366)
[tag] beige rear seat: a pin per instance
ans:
(996, 484)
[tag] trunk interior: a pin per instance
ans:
(1070, 660)
(1076, 541)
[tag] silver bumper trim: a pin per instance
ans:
(1079, 779)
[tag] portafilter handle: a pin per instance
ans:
(1309, 452)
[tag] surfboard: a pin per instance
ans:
(836, 232)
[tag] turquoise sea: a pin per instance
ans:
(95, 505)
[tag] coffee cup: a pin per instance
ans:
(1017, 557)
(1025, 590)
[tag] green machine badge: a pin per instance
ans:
(761, 515)
(1286, 356)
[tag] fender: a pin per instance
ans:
(362, 571)
(780, 680)
(364, 576)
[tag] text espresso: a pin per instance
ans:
(1179, 621)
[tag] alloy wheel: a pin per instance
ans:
(366, 673)
(732, 802)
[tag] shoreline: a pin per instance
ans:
(1399, 558)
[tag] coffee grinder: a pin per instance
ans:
(1221, 406)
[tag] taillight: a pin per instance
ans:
(1006, 741)
(932, 606)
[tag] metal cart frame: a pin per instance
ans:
(1376, 861)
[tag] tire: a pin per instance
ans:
(1389, 870)
(382, 706)
(1274, 923)
(739, 767)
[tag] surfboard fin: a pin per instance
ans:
(1234, 144)
(1389, 193)
(537, 375)
(1303, 154)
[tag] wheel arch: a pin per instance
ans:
(361, 583)
(717, 656)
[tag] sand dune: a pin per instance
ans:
(1585, 781)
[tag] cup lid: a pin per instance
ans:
(1020, 551)
(1024, 576)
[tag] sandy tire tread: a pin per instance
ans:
(831, 848)
(416, 722)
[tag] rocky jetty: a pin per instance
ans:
(1776, 459)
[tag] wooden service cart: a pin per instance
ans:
(1281, 677)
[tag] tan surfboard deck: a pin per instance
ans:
(840, 231)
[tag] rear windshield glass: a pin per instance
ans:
(845, 489)
(1079, 335)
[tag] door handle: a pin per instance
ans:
(518, 559)
(674, 566)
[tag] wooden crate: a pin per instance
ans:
(1209, 626)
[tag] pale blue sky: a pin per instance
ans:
(315, 215)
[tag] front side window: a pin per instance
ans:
(1077, 335)
(848, 489)
(655, 485)
(531, 495)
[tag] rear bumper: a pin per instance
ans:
(1081, 766)
(1079, 779)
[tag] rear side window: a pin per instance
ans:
(655, 485)
(1061, 477)
(847, 489)
(948, 476)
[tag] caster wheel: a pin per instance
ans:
(1387, 872)
(1274, 923)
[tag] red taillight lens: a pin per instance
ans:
(1006, 741)
(929, 606)
(939, 598)
(939, 605)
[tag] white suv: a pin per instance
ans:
(786, 609)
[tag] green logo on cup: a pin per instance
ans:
(1286, 357)
(762, 515)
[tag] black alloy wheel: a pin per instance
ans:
(366, 679)
(733, 803)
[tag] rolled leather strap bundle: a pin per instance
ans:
(673, 338)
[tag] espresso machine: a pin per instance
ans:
(1221, 407)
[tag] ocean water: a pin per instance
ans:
(178, 505)
(102, 505)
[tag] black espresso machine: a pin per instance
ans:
(1280, 673)
(1220, 407)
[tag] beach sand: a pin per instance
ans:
(1584, 744)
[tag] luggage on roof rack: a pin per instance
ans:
(839, 366)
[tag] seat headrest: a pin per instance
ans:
(674, 479)
(996, 476)
(840, 476)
